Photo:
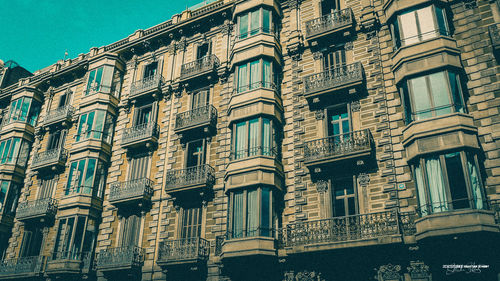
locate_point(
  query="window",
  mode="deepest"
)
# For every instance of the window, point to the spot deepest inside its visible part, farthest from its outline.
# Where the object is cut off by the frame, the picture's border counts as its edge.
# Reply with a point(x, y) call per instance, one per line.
point(64, 99)
point(252, 213)
point(203, 50)
point(130, 231)
point(334, 59)
point(56, 139)
point(9, 195)
point(255, 22)
point(150, 70)
point(195, 153)
point(86, 176)
point(338, 120)
point(432, 95)
point(144, 115)
point(447, 182)
point(14, 151)
point(47, 187)
point(419, 25)
point(75, 238)
point(329, 6)
point(255, 137)
point(100, 80)
point(31, 243)
point(256, 74)
point(23, 109)
point(344, 197)
point(95, 125)
point(139, 167)
point(191, 219)
point(200, 99)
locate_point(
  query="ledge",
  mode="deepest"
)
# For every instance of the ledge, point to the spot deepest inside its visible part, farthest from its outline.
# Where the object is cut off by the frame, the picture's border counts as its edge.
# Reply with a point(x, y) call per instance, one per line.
point(392, 7)
point(440, 133)
point(251, 246)
point(260, 101)
point(102, 98)
point(261, 44)
point(257, 170)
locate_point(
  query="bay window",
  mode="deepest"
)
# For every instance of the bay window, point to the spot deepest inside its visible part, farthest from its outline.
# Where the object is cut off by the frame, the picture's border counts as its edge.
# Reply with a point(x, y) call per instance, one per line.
point(75, 238)
point(419, 25)
point(432, 95)
point(255, 137)
point(252, 213)
point(97, 124)
point(260, 73)
point(24, 109)
point(100, 80)
point(448, 182)
point(255, 22)
point(86, 176)
point(9, 195)
point(14, 151)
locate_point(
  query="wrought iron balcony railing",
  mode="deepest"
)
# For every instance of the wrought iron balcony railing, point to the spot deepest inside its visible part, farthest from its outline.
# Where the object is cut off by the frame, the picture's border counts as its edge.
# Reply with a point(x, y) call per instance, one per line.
point(338, 145)
point(338, 229)
point(197, 175)
point(205, 115)
point(22, 266)
point(183, 250)
point(495, 35)
point(122, 257)
point(130, 190)
point(146, 85)
point(333, 78)
point(255, 152)
point(327, 23)
point(199, 66)
point(58, 115)
point(46, 207)
point(49, 158)
point(141, 132)
point(65, 261)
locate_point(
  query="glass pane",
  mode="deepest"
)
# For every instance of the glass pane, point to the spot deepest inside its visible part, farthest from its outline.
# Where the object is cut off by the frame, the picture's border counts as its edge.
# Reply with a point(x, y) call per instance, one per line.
point(426, 23)
point(72, 173)
point(253, 137)
point(67, 253)
point(81, 127)
point(77, 242)
point(456, 179)
point(254, 25)
point(99, 124)
point(421, 190)
point(265, 213)
point(89, 176)
point(475, 181)
point(241, 140)
point(6, 151)
point(439, 88)
point(242, 78)
point(3, 193)
point(98, 79)
point(351, 206)
point(420, 98)
point(254, 74)
point(252, 213)
point(266, 137)
point(107, 79)
point(91, 82)
point(238, 214)
point(456, 92)
point(266, 74)
point(441, 20)
point(79, 175)
point(439, 201)
point(243, 26)
point(339, 208)
point(90, 125)
point(409, 28)
point(266, 25)
point(24, 109)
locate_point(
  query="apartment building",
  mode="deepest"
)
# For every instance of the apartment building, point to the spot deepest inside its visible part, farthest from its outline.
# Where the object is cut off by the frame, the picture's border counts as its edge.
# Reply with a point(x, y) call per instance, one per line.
point(262, 140)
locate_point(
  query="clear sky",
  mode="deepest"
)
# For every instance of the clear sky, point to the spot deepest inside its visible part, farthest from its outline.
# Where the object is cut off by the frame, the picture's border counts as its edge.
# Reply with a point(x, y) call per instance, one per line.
point(36, 33)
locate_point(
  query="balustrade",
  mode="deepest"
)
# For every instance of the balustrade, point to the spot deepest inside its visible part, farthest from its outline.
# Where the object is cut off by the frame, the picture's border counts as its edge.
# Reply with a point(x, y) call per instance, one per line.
point(333, 78)
point(327, 23)
point(189, 249)
point(197, 175)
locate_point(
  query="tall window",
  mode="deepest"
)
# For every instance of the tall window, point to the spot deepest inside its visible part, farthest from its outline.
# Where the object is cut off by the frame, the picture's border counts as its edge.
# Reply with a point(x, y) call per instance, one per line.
point(144, 114)
point(47, 187)
point(195, 153)
point(96, 124)
point(255, 137)
point(150, 70)
point(9, 195)
point(23, 109)
point(100, 80)
point(32, 242)
point(200, 99)
point(139, 167)
point(432, 95)
point(86, 176)
point(419, 25)
point(203, 50)
point(344, 197)
point(255, 22)
point(256, 74)
point(334, 59)
point(329, 6)
point(130, 231)
point(56, 139)
point(252, 213)
point(448, 181)
point(191, 222)
point(75, 238)
point(14, 151)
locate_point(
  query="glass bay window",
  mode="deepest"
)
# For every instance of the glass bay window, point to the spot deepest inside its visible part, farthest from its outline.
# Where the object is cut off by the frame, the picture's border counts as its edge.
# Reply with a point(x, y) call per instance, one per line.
point(255, 22)
point(100, 80)
point(432, 95)
point(97, 124)
point(75, 238)
point(14, 151)
point(24, 109)
point(255, 137)
point(9, 195)
point(86, 176)
point(448, 182)
point(260, 73)
point(418, 25)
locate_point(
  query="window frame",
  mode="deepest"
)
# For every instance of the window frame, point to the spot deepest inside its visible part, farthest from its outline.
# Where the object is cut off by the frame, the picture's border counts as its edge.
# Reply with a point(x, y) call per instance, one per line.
point(98, 178)
point(204, 153)
point(256, 31)
point(104, 134)
point(270, 82)
point(333, 196)
point(67, 246)
point(16, 111)
point(274, 140)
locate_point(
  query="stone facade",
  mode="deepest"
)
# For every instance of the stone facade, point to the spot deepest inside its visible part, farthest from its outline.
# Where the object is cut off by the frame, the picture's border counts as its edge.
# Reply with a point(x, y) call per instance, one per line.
point(262, 140)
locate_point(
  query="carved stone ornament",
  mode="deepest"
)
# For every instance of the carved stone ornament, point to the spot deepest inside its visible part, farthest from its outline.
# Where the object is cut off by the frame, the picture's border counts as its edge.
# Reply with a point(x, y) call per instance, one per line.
point(226, 28)
point(348, 46)
point(389, 272)
point(321, 186)
point(470, 4)
point(363, 179)
point(418, 270)
point(306, 275)
point(172, 48)
point(320, 114)
point(317, 55)
point(355, 106)
point(181, 44)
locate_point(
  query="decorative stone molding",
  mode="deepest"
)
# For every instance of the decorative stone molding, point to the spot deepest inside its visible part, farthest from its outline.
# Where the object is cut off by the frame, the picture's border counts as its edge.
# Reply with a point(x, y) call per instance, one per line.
point(470, 4)
point(388, 272)
point(348, 46)
point(320, 114)
point(363, 179)
point(355, 106)
point(226, 28)
point(368, 20)
point(418, 270)
point(321, 186)
point(304, 275)
point(317, 55)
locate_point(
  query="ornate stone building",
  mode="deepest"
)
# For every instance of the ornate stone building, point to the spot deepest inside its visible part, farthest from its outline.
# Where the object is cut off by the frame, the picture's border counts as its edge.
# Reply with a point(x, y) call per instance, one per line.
point(262, 140)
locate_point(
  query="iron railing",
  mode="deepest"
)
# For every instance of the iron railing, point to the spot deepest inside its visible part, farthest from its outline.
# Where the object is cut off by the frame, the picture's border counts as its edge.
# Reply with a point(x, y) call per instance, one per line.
point(49, 157)
point(194, 68)
point(183, 249)
point(339, 229)
point(407, 222)
point(445, 206)
point(333, 78)
point(254, 152)
point(24, 265)
point(40, 207)
point(147, 84)
point(120, 257)
point(131, 189)
point(495, 35)
point(338, 145)
point(256, 85)
point(219, 242)
point(197, 116)
point(410, 40)
point(59, 114)
point(251, 232)
point(335, 20)
point(203, 174)
point(495, 207)
point(140, 132)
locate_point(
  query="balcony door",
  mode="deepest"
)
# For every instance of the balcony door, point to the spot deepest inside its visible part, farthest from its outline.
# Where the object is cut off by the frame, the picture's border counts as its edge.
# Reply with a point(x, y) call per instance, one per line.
point(203, 50)
point(64, 99)
point(328, 6)
point(56, 139)
point(47, 187)
point(191, 220)
point(195, 153)
point(344, 197)
point(150, 70)
point(75, 238)
point(130, 231)
point(144, 114)
point(334, 59)
point(200, 99)
point(31, 243)
point(139, 167)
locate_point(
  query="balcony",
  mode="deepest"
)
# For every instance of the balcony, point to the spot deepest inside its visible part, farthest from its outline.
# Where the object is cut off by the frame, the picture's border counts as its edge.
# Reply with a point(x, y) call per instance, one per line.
point(335, 81)
point(183, 252)
point(41, 210)
point(495, 36)
point(21, 268)
point(148, 85)
point(348, 147)
point(137, 191)
point(69, 263)
point(142, 135)
point(336, 22)
point(53, 159)
point(205, 66)
point(199, 119)
point(259, 244)
point(119, 259)
point(342, 232)
point(194, 178)
point(61, 115)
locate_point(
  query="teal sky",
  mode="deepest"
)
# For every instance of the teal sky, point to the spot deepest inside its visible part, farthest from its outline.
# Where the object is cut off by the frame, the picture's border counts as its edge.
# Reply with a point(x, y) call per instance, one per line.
point(36, 33)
